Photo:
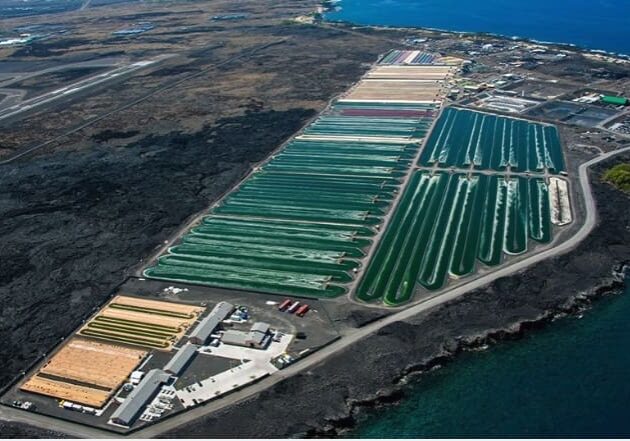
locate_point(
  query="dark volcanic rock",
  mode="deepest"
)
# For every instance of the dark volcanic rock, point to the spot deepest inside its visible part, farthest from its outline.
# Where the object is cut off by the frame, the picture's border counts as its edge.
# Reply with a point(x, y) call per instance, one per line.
point(49, 48)
point(19, 430)
point(107, 135)
point(324, 400)
point(89, 220)
point(73, 224)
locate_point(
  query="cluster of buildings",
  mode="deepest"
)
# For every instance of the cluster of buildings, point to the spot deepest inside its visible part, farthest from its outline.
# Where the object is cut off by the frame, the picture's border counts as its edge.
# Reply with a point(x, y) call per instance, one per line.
point(258, 337)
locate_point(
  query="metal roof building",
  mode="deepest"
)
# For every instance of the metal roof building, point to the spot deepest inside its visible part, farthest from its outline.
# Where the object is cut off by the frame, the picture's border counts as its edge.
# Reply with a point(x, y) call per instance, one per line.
point(180, 359)
point(257, 337)
point(260, 327)
point(203, 330)
point(238, 338)
point(139, 397)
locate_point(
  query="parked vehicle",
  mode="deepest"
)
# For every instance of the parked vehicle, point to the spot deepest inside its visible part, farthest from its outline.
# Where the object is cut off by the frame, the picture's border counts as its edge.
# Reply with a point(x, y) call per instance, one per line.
point(302, 310)
point(293, 307)
point(284, 305)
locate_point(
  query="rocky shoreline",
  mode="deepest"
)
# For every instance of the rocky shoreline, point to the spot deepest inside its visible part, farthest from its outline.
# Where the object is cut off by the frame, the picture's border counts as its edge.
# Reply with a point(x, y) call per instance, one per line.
point(481, 342)
point(326, 400)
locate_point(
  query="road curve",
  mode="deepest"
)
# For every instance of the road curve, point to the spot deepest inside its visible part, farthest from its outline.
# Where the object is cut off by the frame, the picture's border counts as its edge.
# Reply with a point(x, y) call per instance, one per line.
point(343, 343)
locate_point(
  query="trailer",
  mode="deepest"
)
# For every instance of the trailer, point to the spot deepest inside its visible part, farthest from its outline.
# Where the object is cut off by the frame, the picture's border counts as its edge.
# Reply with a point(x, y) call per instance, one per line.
point(302, 310)
point(293, 307)
point(284, 305)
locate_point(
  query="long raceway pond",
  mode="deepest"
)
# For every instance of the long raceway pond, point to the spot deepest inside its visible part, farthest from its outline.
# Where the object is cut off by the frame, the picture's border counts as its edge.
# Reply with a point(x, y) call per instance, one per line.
point(302, 223)
point(448, 222)
point(462, 138)
point(485, 186)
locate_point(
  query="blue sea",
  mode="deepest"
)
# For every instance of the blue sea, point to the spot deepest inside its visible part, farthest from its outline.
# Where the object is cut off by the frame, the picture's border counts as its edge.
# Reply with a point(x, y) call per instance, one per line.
point(568, 379)
point(571, 378)
point(593, 24)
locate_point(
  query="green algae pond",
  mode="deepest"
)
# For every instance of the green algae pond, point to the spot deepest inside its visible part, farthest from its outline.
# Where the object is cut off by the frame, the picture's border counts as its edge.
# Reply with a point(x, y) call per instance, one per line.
point(302, 224)
point(464, 138)
point(299, 226)
point(446, 223)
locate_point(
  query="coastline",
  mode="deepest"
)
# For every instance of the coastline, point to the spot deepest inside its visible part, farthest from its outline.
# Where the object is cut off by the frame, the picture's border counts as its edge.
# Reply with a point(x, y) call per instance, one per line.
point(391, 393)
point(475, 343)
point(328, 399)
point(327, 6)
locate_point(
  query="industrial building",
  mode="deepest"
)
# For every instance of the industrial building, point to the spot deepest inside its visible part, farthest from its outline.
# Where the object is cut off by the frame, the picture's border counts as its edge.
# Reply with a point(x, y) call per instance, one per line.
point(205, 328)
point(181, 359)
point(257, 337)
point(139, 397)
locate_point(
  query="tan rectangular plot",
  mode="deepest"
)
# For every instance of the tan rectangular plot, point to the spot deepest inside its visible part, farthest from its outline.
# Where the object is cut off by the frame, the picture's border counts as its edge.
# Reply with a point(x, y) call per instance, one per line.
point(85, 371)
point(390, 95)
point(426, 73)
point(397, 89)
point(66, 391)
point(94, 362)
point(142, 317)
point(157, 304)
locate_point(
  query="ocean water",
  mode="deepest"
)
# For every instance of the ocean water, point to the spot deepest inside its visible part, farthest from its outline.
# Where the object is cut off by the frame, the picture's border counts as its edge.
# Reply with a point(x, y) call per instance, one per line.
point(568, 379)
point(595, 24)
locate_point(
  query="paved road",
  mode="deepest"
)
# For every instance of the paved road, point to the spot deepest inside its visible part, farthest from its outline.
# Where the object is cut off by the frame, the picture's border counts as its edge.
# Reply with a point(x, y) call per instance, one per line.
point(158, 90)
point(79, 86)
point(345, 342)
point(99, 62)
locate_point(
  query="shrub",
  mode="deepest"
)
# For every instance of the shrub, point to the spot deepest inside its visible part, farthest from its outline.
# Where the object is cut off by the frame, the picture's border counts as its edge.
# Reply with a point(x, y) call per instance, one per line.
point(619, 176)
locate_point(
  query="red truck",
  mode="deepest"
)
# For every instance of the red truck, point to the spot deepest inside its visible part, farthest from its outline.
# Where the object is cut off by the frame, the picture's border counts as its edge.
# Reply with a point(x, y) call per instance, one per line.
point(302, 310)
point(284, 305)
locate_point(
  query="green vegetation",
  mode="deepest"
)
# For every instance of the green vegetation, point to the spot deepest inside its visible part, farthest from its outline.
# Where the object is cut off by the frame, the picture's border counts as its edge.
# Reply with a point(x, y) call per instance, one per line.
point(150, 310)
point(138, 341)
point(619, 176)
point(171, 329)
